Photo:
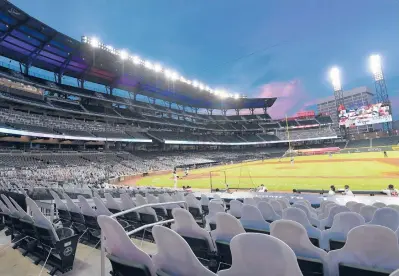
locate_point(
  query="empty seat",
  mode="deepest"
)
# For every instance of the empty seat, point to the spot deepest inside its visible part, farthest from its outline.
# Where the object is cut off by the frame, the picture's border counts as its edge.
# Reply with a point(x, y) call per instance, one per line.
point(379, 204)
point(277, 207)
point(249, 201)
point(159, 210)
point(227, 227)
point(258, 255)
point(253, 221)
point(356, 207)
point(133, 218)
point(349, 204)
point(194, 207)
point(368, 212)
point(386, 217)
point(204, 203)
point(394, 206)
point(62, 209)
point(268, 212)
point(235, 208)
point(283, 203)
point(335, 237)
point(367, 247)
point(214, 208)
point(125, 257)
point(299, 216)
point(57, 245)
point(198, 238)
point(326, 211)
point(174, 256)
point(77, 218)
point(327, 222)
point(311, 259)
point(112, 205)
point(311, 216)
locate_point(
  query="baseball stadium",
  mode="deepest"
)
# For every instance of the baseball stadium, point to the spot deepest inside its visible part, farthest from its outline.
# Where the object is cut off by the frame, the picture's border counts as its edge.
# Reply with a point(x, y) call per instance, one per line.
point(112, 164)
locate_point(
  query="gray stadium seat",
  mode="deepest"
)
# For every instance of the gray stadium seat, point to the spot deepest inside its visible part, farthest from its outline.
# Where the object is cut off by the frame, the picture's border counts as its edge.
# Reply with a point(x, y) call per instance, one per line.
point(268, 212)
point(235, 208)
point(387, 217)
point(253, 221)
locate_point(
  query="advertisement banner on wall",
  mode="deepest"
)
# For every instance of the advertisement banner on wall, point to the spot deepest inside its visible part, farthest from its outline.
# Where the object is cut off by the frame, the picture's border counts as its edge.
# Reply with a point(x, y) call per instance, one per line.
point(365, 115)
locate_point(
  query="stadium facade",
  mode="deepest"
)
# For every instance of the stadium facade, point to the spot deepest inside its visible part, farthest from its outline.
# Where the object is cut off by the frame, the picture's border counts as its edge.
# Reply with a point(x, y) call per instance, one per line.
point(354, 98)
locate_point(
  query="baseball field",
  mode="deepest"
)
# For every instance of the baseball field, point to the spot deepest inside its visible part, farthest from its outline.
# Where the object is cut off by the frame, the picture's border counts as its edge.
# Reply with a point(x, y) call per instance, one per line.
point(361, 171)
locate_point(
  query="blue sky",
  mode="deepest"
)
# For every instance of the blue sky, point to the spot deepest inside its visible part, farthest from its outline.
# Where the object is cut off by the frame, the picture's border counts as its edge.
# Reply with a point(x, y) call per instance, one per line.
point(295, 42)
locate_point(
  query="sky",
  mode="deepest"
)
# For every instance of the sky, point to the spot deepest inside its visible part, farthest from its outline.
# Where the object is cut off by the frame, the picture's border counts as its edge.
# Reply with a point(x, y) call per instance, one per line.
point(260, 48)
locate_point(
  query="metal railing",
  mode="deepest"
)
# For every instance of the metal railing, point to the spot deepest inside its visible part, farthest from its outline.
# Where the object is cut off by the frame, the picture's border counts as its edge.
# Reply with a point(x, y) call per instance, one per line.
point(137, 229)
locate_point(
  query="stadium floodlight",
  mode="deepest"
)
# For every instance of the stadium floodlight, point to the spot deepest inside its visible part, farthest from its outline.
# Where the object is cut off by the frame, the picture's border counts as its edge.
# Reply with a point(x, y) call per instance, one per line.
point(195, 83)
point(148, 65)
point(94, 42)
point(110, 49)
point(201, 86)
point(136, 60)
point(236, 96)
point(174, 76)
point(188, 82)
point(376, 67)
point(157, 67)
point(167, 73)
point(123, 54)
point(335, 77)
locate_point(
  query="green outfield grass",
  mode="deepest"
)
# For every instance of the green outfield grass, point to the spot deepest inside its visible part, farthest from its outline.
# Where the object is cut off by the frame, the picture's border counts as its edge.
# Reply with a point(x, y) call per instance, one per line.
point(362, 171)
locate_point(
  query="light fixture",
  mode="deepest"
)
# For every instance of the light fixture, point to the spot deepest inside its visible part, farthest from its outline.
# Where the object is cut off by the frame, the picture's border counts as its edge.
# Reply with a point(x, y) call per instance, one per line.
point(94, 42)
point(335, 79)
point(157, 67)
point(148, 65)
point(136, 60)
point(236, 96)
point(195, 83)
point(123, 54)
point(376, 67)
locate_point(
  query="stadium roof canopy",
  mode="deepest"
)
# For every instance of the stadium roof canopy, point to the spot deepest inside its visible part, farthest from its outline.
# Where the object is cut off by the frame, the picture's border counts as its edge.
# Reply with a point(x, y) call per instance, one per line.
point(29, 41)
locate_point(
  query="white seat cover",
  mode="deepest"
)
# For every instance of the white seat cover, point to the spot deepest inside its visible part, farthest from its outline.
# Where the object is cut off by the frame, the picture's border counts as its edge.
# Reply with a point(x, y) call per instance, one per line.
point(326, 211)
point(236, 208)
point(356, 207)
point(342, 224)
point(140, 200)
point(369, 246)
point(39, 218)
point(277, 207)
point(249, 201)
point(22, 213)
point(368, 212)
point(349, 204)
point(333, 211)
point(127, 202)
point(283, 203)
point(118, 243)
point(186, 226)
point(257, 254)
point(204, 200)
point(152, 199)
point(72, 207)
point(252, 218)
point(58, 202)
point(394, 206)
point(4, 208)
point(101, 208)
point(13, 211)
point(296, 237)
point(299, 216)
point(217, 197)
point(311, 216)
point(193, 202)
point(86, 208)
point(379, 204)
point(267, 211)
point(175, 256)
point(111, 202)
point(387, 217)
point(395, 273)
point(214, 208)
point(227, 227)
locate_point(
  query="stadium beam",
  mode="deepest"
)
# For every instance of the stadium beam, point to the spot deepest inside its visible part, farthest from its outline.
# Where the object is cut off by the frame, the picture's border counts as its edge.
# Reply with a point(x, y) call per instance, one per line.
point(335, 77)
point(12, 28)
point(380, 86)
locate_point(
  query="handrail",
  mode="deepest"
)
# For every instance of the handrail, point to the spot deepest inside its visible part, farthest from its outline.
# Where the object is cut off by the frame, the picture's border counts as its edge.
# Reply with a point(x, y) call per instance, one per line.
point(147, 205)
point(137, 229)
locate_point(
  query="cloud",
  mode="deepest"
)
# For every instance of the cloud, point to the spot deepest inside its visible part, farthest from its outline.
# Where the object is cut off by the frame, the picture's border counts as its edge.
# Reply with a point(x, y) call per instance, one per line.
point(291, 97)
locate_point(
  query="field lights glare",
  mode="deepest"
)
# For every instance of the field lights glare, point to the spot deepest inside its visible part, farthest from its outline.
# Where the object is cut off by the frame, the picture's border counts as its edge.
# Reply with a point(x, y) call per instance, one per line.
point(376, 67)
point(123, 54)
point(335, 79)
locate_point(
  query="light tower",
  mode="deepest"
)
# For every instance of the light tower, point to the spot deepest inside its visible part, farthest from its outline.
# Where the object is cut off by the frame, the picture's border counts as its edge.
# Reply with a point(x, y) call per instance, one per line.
point(381, 90)
point(335, 77)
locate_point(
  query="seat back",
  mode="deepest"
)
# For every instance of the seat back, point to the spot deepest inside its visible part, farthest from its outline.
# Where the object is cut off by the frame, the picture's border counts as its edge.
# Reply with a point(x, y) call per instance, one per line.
point(267, 211)
point(236, 208)
point(58, 202)
point(368, 212)
point(118, 244)
point(350, 204)
point(327, 209)
point(356, 207)
point(249, 201)
point(299, 216)
point(253, 220)
point(379, 204)
point(214, 208)
point(342, 224)
point(22, 213)
point(101, 209)
point(368, 246)
point(13, 211)
point(283, 203)
point(72, 207)
point(278, 209)
point(296, 237)
point(112, 204)
point(394, 206)
point(387, 217)
point(186, 226)
point(45, 229)
point(174, 255)
point(257, 254)
point(327, 222)
point(204, 200)
point(152, 199)
point(227, 227)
